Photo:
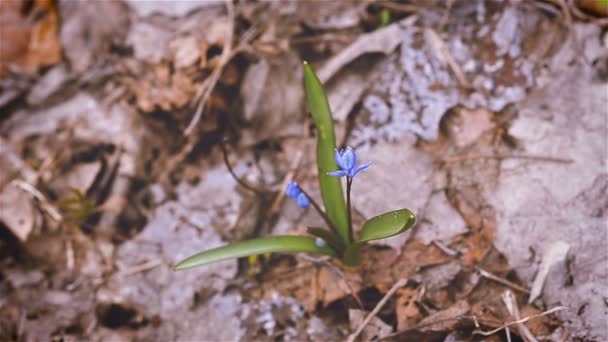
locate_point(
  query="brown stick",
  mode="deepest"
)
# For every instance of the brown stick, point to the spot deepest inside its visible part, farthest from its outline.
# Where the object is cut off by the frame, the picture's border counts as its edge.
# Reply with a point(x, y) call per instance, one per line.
point(399, 284)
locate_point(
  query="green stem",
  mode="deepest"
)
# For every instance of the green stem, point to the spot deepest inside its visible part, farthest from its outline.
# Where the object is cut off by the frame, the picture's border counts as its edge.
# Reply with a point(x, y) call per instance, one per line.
point(320, 211)
point(349, 183)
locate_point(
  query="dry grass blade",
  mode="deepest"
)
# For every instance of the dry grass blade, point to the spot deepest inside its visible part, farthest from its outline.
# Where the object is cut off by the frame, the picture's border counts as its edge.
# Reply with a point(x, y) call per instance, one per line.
point(520, 321)
point(215, 75)
point(503, 281)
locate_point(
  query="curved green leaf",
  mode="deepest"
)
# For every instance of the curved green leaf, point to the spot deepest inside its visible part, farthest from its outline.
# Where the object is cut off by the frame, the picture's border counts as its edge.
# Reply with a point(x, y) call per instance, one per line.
point(271, 244)
point(387, 225)
point(331, 188)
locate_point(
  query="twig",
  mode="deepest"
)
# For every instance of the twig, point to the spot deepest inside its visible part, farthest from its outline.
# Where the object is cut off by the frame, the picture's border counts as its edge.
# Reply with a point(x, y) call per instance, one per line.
point(46, 205)
point(509, 300)
point(234, 175)
point(69, 254)
point(443, 50)
point(148, 265)
point(217, 72)
point(446, 15)
point(400, 283)
point(288, 177)
point(397, 7)
point(520, 321)
point(475, 322)
point(445, 249)
point(464, 157)
point(503, 281)
point(427, 324)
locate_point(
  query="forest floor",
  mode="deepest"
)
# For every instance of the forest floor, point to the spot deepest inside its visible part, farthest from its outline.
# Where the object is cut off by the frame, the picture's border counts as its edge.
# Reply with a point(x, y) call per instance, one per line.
point(136, 133)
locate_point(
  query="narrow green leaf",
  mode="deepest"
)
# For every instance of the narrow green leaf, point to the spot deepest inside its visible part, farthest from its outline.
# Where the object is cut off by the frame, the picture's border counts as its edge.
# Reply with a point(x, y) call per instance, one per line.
point(331, 188)
point(329, 236)
point(271, 244)
point(387, 225)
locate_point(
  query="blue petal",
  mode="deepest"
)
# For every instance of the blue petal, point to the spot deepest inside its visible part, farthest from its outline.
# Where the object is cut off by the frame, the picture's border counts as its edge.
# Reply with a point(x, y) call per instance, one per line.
point(350, 159)
point(339, 159)
point(302, 201)
point(361, 168)
point(340, 173)
point(293, 189)
point(320, 242)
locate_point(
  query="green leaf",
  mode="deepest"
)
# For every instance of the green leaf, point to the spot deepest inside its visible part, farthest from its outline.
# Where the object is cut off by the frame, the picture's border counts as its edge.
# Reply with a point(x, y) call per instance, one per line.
point(331, 188)
point(329, 236)
point(271, 244)
point(387, 225)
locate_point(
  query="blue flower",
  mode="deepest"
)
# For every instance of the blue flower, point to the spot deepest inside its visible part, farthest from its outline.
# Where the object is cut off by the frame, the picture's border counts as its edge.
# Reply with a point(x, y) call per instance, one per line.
point(320, 242)
point(294, 191)
point(347, 160)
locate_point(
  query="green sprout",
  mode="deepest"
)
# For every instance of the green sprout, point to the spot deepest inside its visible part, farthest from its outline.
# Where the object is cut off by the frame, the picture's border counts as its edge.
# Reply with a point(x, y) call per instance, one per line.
point(77, 208)
point(337, 239)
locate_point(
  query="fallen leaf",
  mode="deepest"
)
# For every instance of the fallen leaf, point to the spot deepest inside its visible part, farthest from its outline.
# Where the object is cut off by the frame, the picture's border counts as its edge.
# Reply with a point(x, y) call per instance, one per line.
point(29, 40)
point(553, 254)
point(406, 309)
point(89, 29)
point(455, 311)
point(384, 41)
point(375, 329)
point(18, 212)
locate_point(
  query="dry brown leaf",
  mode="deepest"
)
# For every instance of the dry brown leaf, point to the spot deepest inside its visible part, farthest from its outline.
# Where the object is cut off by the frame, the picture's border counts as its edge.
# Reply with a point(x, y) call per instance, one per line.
point(458, 309)
point(464, 126)
point(29, 41)
point(406, 309)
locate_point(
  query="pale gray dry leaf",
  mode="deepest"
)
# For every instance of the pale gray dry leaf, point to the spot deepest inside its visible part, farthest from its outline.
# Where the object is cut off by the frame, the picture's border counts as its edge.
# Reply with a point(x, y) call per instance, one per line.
point(11, 165)
point(186, 51)
point(383, 40)
point(89, 29)
point(272, 96)
point(443, 221)
point(344, 92)
point(192, 223)
point(375, 329)
point(440, 276)
point(567, 202)
point(553, 254)
point(335, 15)
point(80, 177)
point(149, 40)
point(169, 7)
point(49, 83)
point(19, 213)
point(447, 318)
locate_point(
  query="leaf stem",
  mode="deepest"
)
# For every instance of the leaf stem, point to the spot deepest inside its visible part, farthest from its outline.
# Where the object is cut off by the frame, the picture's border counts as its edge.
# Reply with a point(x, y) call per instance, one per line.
point(349, 183)
point(320, 211)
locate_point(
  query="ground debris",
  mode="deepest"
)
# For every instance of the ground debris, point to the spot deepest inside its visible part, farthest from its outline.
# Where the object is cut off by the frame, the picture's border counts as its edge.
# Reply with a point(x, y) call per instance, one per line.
point(482, 117)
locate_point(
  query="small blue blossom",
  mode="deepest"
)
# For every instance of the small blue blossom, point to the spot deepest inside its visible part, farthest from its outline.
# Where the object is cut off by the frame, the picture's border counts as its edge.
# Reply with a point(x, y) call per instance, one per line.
point(320, 242)
point(347, 160)
point(302, 201)
point(294, 191)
